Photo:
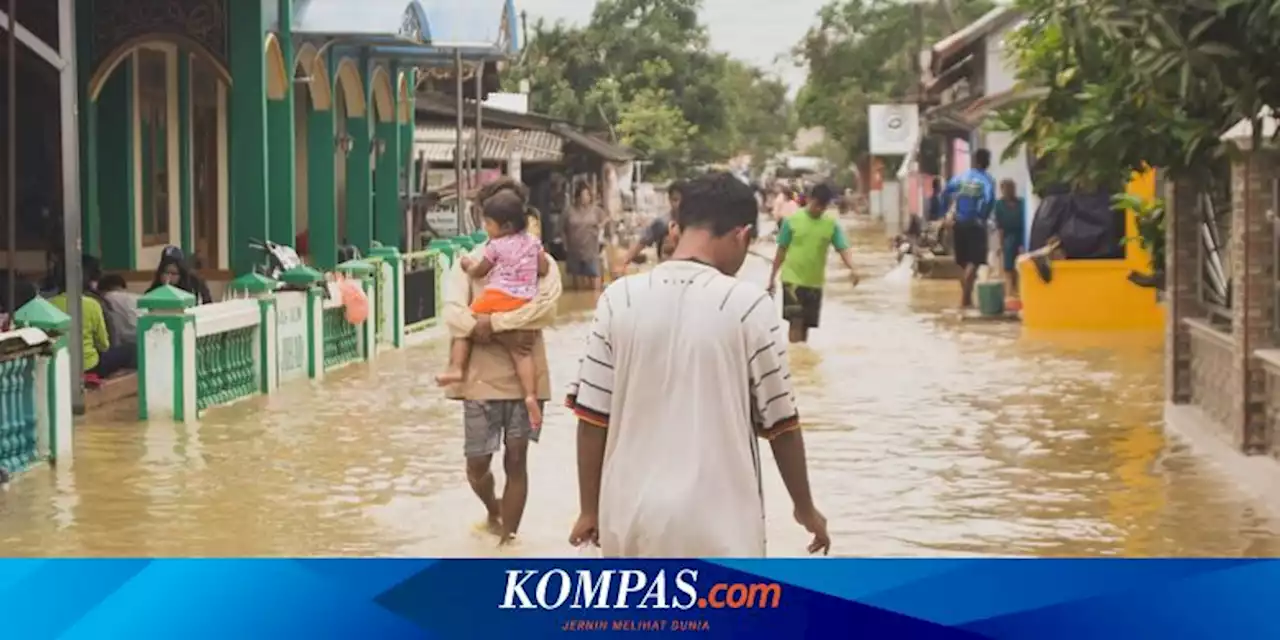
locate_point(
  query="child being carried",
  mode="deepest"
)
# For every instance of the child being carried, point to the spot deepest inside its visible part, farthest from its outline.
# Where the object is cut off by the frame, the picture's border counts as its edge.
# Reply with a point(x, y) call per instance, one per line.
point(512, 263)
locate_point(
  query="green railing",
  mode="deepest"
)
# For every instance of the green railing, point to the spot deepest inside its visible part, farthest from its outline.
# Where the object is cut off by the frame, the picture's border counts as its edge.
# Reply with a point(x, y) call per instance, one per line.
point(341, 339)
point(422, 297)
point(225, 367)
point(17, 412)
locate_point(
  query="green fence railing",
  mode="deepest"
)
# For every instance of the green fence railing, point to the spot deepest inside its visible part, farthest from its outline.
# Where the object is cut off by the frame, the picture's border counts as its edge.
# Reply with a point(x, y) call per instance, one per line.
point(341, 339)
point(17, 412)
point(422, 297)
point(225, 367)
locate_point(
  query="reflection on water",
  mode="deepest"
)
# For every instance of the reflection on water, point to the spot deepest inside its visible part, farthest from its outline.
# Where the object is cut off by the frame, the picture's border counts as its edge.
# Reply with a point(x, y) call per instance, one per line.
point(926, 436)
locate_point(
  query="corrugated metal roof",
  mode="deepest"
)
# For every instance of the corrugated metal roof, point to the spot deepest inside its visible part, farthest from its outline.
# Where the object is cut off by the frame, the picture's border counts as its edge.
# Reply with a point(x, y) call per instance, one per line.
point(602, 148)
point(436, 144)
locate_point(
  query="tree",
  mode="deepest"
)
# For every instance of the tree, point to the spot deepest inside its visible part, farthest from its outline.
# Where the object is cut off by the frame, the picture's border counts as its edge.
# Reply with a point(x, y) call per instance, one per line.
point(1134, 83)
point(644, 70)
point(864, 52)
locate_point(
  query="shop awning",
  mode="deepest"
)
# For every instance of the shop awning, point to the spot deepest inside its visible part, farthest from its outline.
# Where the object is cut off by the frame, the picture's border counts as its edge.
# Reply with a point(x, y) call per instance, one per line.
point(594, 145)
point(369, 21)
point(436, 144)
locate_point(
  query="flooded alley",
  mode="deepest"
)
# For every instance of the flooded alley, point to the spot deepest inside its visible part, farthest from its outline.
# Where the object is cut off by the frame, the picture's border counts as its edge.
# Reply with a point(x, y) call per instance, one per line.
point(926, 437)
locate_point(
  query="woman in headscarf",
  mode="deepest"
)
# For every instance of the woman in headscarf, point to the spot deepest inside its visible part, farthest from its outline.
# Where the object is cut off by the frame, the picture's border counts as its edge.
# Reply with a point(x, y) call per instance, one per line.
point(174, 271)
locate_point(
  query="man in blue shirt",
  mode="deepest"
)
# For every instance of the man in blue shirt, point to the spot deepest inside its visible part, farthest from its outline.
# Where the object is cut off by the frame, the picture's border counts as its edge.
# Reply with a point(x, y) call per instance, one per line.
point(970, 197)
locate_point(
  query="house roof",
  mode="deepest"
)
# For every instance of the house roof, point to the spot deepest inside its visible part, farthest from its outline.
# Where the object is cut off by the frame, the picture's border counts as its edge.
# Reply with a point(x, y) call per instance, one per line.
point(480, 30)
point(440, 105)
point(947, 52)
point(403, 21)
point(436, 144)
point(602, 148)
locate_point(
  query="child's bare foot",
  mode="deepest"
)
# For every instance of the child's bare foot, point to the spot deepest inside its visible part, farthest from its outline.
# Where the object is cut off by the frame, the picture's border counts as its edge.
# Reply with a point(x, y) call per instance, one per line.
point(506, 538)
point(535, 412)
point(452, 376)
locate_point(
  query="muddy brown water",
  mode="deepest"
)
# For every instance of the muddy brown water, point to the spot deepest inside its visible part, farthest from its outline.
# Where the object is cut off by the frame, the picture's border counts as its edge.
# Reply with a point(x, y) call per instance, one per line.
point(927, 437)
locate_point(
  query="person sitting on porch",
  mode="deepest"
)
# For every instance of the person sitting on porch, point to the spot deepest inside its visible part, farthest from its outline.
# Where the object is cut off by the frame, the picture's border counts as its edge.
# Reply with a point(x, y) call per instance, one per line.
point(101, 359)
point(121, 309)
point(173, 271)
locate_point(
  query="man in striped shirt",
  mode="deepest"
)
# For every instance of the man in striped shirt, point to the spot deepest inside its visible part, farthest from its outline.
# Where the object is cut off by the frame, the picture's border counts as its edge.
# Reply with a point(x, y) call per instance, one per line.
point(685, 367)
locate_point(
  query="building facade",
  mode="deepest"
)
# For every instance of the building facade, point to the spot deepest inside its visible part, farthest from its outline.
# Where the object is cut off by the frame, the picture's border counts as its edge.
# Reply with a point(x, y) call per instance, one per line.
point(1222, 364)
point(208, 124)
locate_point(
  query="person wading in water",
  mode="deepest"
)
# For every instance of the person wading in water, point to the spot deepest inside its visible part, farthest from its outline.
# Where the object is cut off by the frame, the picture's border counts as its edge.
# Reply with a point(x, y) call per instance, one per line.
point(494, 414)
point(685, 367)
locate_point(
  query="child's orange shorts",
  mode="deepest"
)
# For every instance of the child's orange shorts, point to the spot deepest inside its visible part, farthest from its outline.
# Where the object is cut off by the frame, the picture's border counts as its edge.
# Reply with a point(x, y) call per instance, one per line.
point(496, 301)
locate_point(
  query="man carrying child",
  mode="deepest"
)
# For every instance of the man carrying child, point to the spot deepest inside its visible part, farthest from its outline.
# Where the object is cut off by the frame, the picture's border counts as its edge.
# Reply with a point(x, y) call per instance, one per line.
point(496, 416)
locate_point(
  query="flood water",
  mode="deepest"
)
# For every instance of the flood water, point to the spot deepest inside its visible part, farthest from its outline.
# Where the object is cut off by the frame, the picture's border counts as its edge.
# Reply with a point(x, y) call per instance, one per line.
point(927, 437)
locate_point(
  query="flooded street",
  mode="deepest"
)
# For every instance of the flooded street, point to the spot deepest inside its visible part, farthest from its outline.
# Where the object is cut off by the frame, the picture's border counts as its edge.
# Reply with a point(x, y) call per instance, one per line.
point(927, 437)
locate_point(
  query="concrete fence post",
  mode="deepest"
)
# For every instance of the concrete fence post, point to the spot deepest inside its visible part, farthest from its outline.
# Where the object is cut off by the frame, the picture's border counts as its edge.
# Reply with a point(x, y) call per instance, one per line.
point(263, 289)
point(391, 298)
point(304, 278)
point(54, 422)
point(167, 355)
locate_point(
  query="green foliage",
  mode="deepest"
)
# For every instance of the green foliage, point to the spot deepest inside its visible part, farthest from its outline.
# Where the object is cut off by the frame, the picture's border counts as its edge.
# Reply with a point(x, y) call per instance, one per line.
point(1135, 83)
point(1149, 213)
point(865, 52)
point(643, 70)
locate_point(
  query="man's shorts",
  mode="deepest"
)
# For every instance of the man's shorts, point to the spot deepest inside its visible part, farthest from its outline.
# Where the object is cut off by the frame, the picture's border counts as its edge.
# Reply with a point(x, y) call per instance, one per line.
point(801, 303)
point(489, 424)
point(970, 239)
point(583, 267)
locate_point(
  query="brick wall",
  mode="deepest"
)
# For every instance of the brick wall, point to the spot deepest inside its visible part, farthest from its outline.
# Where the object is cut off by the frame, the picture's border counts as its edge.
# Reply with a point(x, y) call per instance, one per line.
point(1252, 233)
point(1183, 272)
point(1214, 368)
point(1272, 435)
point(1215, 384)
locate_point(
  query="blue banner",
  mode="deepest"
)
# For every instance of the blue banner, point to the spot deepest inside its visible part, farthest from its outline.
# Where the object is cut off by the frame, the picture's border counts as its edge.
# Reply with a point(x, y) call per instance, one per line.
point(526, 599)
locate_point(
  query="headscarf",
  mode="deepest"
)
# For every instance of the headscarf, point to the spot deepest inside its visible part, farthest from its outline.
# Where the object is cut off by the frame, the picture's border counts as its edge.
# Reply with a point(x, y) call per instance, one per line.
point(188, 280)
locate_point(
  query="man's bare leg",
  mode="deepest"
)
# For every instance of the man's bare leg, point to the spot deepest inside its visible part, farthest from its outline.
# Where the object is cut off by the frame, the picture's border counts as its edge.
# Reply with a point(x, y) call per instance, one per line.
point(967, 280)
point(516, 492)
point(797, 331)
point(480, 477)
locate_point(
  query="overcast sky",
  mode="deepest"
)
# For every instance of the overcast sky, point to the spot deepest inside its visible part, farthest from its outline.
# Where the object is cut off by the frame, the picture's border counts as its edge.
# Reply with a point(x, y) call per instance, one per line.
point(757, 31)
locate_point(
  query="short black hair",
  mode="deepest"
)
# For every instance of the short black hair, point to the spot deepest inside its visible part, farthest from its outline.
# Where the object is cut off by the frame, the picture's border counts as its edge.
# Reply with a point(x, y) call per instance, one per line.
point(982, 159)
point(508, 210)
point(718, 202)
point(822, 193)
point(505, 183)
point(582, 185)
point(676, 188)
point(112, 282)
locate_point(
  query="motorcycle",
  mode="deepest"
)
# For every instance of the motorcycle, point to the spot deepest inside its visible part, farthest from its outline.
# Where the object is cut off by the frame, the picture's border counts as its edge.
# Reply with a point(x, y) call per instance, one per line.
point(277, 258)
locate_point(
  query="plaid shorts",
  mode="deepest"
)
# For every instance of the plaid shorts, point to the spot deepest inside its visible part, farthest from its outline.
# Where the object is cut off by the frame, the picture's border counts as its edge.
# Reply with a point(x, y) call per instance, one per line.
point(489, 424)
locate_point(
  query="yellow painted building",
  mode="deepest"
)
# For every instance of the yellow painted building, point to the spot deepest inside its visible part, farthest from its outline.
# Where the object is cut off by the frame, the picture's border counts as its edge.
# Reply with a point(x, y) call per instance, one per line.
point(1095, 295)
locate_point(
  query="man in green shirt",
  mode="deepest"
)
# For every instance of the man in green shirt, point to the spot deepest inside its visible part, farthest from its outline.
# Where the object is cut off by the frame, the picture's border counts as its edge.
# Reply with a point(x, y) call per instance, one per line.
point(804, 241)
point(100, 358)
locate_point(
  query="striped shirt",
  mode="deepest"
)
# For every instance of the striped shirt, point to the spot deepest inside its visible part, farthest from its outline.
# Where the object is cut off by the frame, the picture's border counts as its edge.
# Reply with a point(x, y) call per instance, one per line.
point(684, 366)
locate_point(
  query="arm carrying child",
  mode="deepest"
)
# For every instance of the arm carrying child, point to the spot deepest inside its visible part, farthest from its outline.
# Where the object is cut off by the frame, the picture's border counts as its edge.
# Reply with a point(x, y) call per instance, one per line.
point(512, 263)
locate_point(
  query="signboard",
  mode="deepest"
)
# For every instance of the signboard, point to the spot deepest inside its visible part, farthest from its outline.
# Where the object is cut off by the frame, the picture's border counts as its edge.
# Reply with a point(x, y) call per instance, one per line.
point(291, 335)
point(894, 128)
point(444, 222)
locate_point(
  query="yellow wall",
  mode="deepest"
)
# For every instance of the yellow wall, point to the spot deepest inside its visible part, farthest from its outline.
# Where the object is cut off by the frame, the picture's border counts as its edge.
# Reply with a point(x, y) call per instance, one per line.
point(1095, 295)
